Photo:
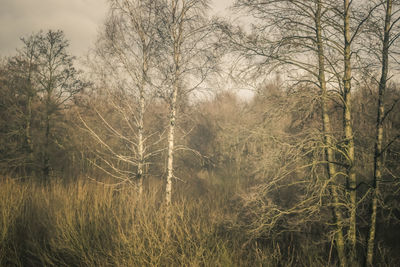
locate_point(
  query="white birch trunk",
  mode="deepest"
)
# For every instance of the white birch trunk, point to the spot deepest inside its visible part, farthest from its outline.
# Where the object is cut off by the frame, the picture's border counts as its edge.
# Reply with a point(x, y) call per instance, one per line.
point(140, 166)
point(329, 153)
point(171, 139)
point(176, 34)
point(348, 130)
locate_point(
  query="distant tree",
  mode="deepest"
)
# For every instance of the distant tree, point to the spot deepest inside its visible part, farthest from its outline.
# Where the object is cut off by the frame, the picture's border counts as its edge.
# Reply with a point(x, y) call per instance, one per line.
point(57, 82)
point(19, 92)
point(39, 82)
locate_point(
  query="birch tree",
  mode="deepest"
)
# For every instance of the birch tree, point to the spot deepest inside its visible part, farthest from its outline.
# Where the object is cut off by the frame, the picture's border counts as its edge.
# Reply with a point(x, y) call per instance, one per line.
point(353, 25)
point(297, 31)
point(291, 35)
point(388, 34)
point(348, 129)
point(189, 56)
point(126, 54)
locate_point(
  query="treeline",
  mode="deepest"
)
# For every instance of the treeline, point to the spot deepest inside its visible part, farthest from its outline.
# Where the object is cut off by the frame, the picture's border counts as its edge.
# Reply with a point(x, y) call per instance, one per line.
point(303, 173)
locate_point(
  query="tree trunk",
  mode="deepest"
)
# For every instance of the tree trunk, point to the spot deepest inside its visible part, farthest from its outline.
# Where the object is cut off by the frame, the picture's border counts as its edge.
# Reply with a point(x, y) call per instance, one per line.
point(46, 156)
point(378, 159)
point(176, 34)
point(139, 175)
point(171, 135)
point(329, 153)
point(28, 137)
point(349, 139)
point(142, 107)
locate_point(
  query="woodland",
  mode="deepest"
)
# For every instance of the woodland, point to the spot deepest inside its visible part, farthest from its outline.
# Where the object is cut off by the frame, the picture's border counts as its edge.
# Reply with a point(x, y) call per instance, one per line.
point(144, 153)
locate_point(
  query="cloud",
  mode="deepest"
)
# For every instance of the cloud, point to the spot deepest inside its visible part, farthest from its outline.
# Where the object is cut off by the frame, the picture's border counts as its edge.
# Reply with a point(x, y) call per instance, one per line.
point(79, 19)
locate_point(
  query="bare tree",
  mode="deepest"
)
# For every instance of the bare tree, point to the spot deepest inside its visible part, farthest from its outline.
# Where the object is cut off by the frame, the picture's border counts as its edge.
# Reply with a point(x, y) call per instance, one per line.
point(57, 81)
point(189, 57)
point(298, 33)
point(348, 129)
point(19, 78)
point(353, 24)
point(126, 55)
point(387, 37)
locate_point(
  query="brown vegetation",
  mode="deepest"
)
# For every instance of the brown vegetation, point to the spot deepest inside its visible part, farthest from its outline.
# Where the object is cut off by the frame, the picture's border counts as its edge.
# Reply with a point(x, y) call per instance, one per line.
point(139, 161)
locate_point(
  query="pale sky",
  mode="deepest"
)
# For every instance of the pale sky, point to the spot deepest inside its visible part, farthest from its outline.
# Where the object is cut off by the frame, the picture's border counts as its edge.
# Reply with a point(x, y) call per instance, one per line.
point(79, 19)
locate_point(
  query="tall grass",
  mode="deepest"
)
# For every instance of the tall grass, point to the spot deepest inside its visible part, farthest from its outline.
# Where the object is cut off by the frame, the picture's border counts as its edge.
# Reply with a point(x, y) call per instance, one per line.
point(90, 224)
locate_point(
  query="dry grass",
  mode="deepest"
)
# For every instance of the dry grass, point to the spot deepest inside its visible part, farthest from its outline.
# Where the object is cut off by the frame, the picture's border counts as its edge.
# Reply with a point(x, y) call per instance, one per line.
point(89, 224)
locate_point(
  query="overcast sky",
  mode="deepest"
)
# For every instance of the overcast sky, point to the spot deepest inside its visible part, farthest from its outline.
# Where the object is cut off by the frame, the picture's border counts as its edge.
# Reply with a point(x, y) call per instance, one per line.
point(79, 19)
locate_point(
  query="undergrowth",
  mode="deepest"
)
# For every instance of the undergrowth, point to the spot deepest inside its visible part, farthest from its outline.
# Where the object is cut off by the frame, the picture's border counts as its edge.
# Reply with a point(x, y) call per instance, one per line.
point(91, 224)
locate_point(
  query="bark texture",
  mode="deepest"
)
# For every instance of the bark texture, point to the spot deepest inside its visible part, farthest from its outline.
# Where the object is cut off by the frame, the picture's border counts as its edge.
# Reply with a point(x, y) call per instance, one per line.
point(378, 159)
point(327, 132)
point(349, 138)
